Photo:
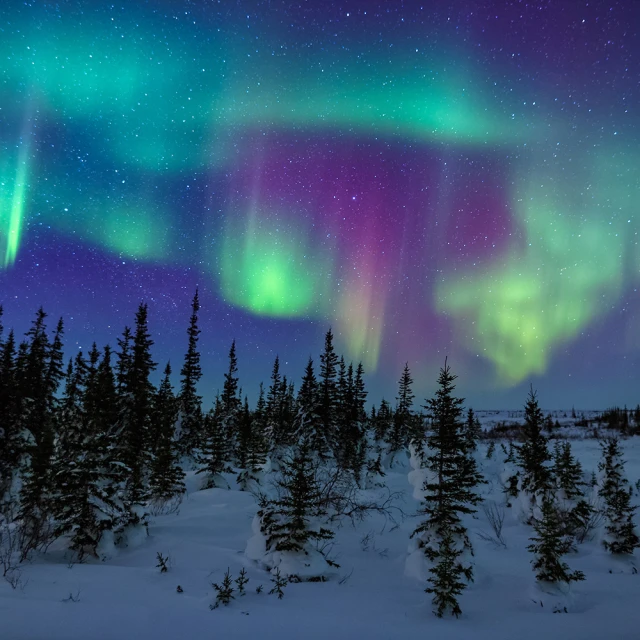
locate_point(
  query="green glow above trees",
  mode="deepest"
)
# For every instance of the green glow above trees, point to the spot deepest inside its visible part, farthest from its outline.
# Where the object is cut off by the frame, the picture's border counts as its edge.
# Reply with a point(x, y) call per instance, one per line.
point(541, 296)
point(269, 266)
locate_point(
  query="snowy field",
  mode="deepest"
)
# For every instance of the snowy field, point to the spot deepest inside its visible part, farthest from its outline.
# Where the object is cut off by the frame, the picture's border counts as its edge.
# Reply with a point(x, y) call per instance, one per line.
point(375, 593)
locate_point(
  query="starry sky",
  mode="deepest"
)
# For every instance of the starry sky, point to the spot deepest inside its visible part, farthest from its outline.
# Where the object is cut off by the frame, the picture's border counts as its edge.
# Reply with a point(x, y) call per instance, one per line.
point(429, 179)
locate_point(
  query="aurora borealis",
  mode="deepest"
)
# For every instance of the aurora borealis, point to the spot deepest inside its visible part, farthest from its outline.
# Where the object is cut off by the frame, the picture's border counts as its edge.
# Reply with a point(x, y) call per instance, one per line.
point(430, 179)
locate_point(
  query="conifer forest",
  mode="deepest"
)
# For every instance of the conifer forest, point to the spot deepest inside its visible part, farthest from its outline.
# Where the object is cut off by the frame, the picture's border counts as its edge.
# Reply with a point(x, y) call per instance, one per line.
point(320, 319)
point(110, 461)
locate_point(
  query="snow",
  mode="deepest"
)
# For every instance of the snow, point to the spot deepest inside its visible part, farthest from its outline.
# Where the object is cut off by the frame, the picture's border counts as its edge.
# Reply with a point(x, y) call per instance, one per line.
point(378, 591)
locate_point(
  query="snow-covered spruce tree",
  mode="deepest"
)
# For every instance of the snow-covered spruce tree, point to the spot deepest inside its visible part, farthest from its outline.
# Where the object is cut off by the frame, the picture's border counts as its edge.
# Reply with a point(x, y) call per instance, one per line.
point(567, 478)
point(166, 480)
point(402, 429)
point(361, 448)
point(449, 493)
point(621, 534)
point(12, 443)
point(279, 432)
point(136, 398)
point(289, 526)
point(567, 472)
point(230, 404)
point(381, 422)
point(216, 450)
point(533, 453)
point(190, 416)
point(83, 487)
point(70, 413)
point(327, 399)
point(70, 475)
point(351, 445)
point(102, 412)
point(244, 427)
point(254, 444)
point(39, 376)
point(472, 431)
point(550, 544)
point(307, 425)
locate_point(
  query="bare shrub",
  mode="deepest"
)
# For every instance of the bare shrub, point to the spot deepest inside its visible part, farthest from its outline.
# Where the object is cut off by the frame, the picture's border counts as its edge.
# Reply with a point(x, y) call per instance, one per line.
point(495, 514)
point(165, 507)
point(595, 521)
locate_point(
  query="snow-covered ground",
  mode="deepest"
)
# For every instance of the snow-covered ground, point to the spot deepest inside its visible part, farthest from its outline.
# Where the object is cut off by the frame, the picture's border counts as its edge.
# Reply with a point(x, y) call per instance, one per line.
point(371, 597)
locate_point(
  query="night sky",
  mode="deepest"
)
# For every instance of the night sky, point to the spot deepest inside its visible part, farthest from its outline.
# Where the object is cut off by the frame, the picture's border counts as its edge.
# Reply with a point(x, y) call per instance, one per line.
point(429, 179)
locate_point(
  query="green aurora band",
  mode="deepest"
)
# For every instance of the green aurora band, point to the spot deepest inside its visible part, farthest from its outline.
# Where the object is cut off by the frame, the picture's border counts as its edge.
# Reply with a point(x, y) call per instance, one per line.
point(12, 201)
point(568, 274)
point(268, 266)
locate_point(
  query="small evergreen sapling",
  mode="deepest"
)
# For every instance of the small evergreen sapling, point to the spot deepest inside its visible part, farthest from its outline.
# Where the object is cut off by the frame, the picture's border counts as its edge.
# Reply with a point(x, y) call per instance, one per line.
point(224, 591)
point(163, 562)
point(279, 583)
point(241, 581)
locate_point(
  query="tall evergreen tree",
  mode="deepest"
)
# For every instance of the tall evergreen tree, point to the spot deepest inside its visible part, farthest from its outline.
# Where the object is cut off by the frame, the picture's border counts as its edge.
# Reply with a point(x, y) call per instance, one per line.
point(404, 429)
point(12, 443)
point(274, 408)
point(308, 424)
point(216, 451)
point(166, 481)
point(190, 403)
point(39, 380)
point(230, 403)
point(257, 446)
point(448, 494)
point(136, 411)
point(327, 397)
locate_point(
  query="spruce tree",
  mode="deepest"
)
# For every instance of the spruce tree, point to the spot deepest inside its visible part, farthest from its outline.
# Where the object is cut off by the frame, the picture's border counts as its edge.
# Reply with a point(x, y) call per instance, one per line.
point(448, 494)
point(12, 443)
point(39, 377)
point(244, 429)
point(327, 398)
point(567, 472)
point(472, 431)
point(216, 451)
point(621, 533)
point(288, 520)
point(166, 482)
point(403, 429)
point(189, 402)
point(86, 502)
point(136, 411)
point(382, 422)
point(307, 424)
point(274, 408)
point(550, 545)
point(257, 447)
point(534, 454)
point(230, 403)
